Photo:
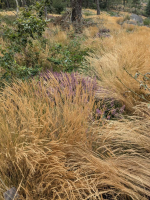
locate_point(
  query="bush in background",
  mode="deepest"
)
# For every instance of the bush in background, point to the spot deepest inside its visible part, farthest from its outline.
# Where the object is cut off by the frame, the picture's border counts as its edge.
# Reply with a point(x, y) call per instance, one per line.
point(147, 22)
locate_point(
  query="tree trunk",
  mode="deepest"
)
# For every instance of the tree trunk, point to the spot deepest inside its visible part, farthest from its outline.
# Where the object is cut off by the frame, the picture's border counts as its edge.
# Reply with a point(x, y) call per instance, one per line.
point(106, 4)
point(45, 11)
point(87, 3)
point(24, 3)
point(17, 6)
point(7, 2)
point(76, 11)
point(124, 3)
point(98, 7)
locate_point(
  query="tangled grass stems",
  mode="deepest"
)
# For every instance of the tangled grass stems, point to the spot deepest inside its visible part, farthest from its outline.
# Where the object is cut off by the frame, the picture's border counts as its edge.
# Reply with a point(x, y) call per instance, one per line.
point(57, 151)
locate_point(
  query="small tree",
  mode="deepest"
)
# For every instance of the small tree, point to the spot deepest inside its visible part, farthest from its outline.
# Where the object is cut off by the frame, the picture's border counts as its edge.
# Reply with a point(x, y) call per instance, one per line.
point(148, 9)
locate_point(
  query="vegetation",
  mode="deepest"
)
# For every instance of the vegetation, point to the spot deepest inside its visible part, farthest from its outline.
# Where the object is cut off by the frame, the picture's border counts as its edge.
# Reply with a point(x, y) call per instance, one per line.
point(136, 4)
point(74, 101)
point(147, 22)
point(148, 9)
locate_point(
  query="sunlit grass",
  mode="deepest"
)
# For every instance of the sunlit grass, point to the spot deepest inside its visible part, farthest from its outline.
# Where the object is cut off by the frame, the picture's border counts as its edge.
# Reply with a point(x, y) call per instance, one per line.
point(55, 150)
point(125, 50)
point(51, 145)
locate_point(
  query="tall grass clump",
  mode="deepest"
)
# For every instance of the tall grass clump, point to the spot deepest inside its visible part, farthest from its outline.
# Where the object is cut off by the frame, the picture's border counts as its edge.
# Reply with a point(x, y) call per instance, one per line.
point(51, 148)
point(121, 20)
point(129, 51)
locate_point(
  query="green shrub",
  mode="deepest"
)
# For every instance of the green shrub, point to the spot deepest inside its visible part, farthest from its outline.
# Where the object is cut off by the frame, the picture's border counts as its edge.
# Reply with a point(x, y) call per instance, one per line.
point(27, 52)
point(69, 57)
point(25, 30)
point(147, 21)
point(27, 25)
point(112, 13)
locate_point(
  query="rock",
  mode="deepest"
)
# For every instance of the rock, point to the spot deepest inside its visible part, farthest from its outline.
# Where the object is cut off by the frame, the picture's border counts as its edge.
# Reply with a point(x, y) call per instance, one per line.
point(11, 194)
point(130, 22)
point(136, 18)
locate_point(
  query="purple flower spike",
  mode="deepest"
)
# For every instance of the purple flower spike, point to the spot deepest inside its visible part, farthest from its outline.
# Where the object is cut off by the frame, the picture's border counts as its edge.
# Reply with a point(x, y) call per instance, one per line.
point(113, 112)
point(99, 112)
point(108, 117)
point(122, 108)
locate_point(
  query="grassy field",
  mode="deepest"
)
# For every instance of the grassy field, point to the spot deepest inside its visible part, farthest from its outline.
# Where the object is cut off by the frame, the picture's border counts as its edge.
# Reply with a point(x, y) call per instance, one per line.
point(85, 134)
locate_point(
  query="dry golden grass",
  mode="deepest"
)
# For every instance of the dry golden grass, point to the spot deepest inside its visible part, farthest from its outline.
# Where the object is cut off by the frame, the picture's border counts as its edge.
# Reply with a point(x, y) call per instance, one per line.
point(129, 50)
point(129, 27)
point(8, 13)
point(54, 151)
point(107, 21)
point(55, 34)
point(91, 32)
point(2, 43)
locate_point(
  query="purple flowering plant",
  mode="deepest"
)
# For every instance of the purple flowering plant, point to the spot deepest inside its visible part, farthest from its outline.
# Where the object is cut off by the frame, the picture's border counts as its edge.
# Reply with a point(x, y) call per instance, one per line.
point(69, 86)
point(109, 108)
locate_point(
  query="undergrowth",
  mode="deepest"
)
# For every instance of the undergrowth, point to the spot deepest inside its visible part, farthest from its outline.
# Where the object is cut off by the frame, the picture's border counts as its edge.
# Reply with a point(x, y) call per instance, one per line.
point(28, 49)
point(65, 135)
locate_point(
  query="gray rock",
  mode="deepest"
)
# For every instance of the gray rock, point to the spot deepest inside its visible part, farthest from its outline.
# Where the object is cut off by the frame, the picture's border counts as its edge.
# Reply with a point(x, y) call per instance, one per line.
point(136, 18)
point(130, 22)
point(11, 194)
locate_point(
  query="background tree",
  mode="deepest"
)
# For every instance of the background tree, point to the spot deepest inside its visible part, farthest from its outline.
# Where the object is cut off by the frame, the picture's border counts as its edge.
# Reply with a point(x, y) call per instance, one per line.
point(2, 4)
point(98, 7)
point(17, 5)
point(148, 9)
point(76, 11)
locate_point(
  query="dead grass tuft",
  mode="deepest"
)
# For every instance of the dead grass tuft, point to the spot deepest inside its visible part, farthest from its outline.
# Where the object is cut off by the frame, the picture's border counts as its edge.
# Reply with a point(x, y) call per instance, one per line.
point(55, 150)
point(123, 50)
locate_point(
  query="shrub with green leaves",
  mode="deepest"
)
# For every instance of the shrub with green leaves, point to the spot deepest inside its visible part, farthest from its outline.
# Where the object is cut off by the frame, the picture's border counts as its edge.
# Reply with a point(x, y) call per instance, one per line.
point(112, 13)
point(27, 52)
point(147, 21)
point(27, 27)
point(68, 57)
